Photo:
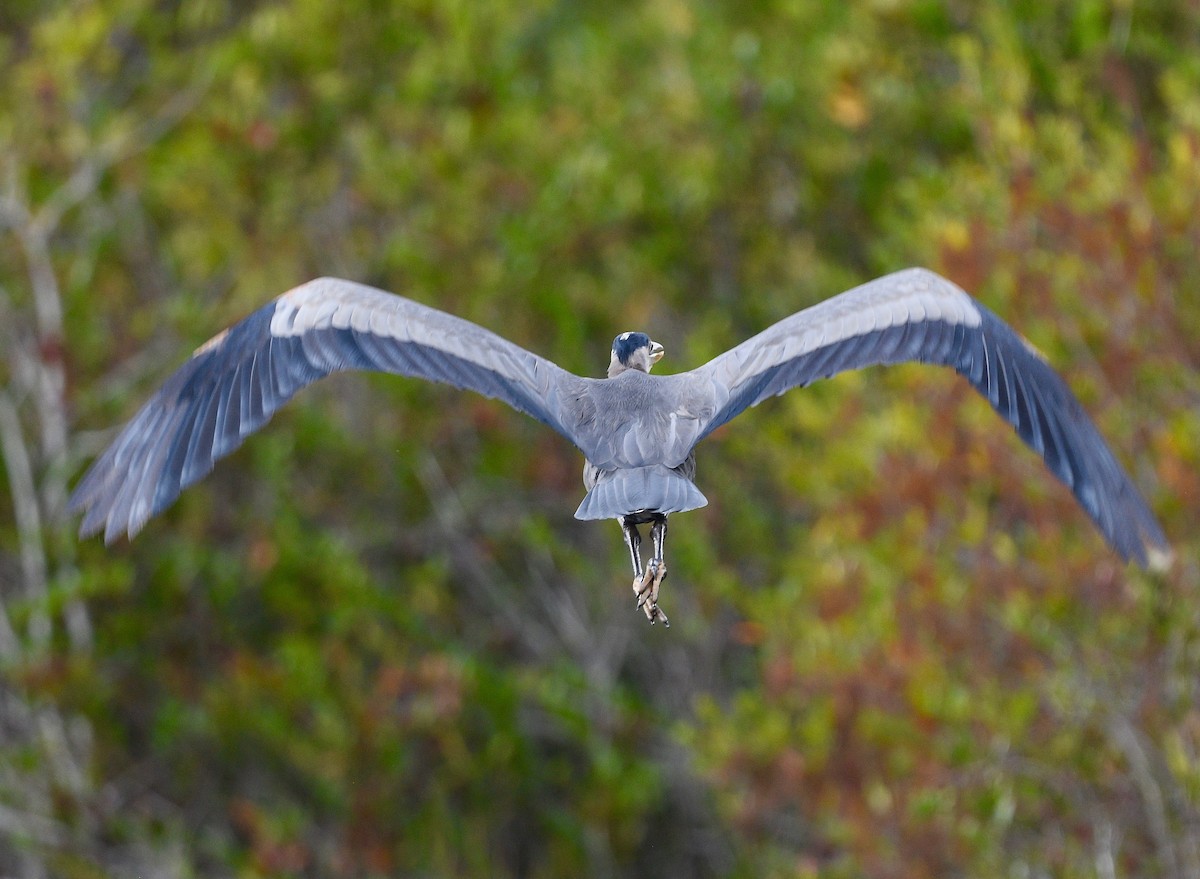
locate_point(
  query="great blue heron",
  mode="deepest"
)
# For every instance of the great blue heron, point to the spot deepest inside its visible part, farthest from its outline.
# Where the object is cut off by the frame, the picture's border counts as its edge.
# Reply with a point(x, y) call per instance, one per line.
point(637, 431)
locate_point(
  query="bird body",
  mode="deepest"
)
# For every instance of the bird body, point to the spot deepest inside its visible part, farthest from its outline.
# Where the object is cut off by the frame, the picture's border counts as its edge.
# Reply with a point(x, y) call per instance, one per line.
point(637, 431)
point(637, 419)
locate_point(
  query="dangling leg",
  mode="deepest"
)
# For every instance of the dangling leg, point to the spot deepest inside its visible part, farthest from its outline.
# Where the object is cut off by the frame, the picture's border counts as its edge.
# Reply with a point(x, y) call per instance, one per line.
point(656, 572)
point(633, 540)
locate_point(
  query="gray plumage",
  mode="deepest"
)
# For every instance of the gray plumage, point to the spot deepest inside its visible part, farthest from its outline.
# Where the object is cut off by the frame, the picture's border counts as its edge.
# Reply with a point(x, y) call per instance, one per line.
point(637, 431)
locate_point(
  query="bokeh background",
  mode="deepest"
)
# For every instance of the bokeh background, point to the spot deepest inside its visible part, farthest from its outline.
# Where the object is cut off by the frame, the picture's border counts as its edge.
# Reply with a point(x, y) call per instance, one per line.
point(376, 643)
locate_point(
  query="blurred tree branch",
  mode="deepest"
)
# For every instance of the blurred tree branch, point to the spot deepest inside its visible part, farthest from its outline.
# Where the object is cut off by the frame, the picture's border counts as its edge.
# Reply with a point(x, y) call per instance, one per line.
point(869, 648)
point(36, 443)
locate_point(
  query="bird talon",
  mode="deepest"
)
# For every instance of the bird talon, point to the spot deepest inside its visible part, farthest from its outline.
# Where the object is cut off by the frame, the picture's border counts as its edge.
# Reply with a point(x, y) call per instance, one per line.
point(658, 573)
point(647, 588)
point(654, 613)
point(641, 587)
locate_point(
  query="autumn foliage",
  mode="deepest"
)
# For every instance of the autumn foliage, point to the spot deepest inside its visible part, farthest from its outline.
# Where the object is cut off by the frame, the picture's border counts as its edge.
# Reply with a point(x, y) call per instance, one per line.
point(374, 642)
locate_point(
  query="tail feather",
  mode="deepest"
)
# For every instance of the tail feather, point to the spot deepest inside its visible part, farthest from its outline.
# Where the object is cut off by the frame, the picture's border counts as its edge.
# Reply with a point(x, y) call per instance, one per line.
point(655, 489)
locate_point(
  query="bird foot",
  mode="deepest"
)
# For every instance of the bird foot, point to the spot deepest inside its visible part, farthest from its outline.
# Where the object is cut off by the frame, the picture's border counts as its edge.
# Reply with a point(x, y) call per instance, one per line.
point(646, 588)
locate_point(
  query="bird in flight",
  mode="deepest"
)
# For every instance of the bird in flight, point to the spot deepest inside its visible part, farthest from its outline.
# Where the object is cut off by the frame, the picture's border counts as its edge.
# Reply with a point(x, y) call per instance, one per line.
point(637, 431)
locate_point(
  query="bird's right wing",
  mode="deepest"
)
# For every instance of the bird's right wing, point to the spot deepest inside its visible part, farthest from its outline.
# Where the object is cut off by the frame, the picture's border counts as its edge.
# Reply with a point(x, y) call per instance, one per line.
point(236, 381)
point(918, 316)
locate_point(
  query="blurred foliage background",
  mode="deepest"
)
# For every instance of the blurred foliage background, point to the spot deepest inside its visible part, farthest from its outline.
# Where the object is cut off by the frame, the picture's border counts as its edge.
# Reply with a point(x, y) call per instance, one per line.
point(375, 642)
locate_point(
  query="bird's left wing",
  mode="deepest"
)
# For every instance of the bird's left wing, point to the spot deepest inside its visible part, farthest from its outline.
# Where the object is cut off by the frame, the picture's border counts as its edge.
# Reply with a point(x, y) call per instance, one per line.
point(236, 381)
point(916, 315)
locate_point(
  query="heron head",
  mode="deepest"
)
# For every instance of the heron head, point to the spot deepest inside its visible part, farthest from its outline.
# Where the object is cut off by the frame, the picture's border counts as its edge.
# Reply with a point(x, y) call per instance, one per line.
point(634, 351)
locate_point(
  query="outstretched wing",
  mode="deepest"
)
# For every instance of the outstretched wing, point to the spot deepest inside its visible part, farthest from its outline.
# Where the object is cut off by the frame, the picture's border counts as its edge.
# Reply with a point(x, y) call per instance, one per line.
point(237, 380)
point(916, 315)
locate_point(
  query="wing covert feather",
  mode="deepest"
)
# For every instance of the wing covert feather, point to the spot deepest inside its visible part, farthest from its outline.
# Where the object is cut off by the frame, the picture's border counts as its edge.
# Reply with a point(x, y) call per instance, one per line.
point(918, 316)
point(236, 381)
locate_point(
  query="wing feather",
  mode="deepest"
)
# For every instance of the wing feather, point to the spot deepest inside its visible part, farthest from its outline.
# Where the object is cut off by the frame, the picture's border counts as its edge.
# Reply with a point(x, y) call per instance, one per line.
point(916, 315)
point(235, 382)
